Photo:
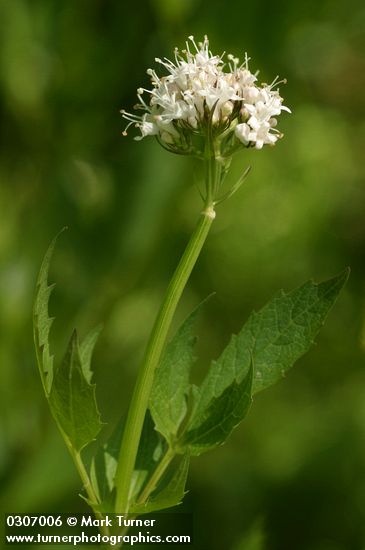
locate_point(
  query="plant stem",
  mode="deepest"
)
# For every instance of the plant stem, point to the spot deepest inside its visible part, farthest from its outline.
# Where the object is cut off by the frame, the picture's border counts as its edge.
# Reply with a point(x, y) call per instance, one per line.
point(84, 476)
point(142, 390)
point(86, 482)
point(156, 476)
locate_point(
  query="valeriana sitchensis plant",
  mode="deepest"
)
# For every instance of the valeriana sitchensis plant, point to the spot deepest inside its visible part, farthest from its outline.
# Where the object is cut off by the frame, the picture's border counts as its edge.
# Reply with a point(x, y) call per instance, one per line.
point(208, 106)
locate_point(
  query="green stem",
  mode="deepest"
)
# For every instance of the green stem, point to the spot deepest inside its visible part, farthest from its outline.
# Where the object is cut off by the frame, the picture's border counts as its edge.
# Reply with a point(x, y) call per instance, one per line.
point(156, 476)
point(141, 394)
point(84, 477)
point(88, 486)
point(153, 481)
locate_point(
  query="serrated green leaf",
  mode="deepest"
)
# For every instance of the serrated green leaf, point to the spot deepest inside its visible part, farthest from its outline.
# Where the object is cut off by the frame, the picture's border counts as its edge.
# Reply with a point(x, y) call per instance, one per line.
point(168, 400)
point(72, 400)
point(68, 389)
point(172, 492)
point(272, 340)
point(285, 329)
point(42, 322)
point(211, 425)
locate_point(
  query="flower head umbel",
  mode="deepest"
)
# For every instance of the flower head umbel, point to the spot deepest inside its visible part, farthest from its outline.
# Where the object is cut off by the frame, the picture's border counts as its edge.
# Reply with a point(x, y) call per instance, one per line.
point(202, 94)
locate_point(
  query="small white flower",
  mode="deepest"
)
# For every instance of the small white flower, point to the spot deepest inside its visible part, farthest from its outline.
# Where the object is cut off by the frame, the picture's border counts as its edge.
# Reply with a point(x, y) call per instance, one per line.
point(199, 91)
point(259, 136)
point(147, 127)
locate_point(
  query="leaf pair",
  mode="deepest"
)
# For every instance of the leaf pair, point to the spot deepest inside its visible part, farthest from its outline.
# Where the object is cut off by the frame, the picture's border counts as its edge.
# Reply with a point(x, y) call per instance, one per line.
point(194, 420)
point(185, 420)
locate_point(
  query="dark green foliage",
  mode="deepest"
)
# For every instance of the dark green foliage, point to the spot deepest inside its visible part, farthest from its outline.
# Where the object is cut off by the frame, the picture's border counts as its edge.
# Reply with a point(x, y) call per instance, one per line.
point(257, 357)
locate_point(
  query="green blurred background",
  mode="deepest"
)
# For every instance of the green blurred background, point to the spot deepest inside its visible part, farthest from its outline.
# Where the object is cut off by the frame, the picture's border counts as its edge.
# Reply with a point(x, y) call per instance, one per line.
point(293, 476)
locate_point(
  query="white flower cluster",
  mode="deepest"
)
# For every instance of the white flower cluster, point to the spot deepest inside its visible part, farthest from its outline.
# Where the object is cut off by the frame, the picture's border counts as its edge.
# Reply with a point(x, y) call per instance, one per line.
point(198, 93)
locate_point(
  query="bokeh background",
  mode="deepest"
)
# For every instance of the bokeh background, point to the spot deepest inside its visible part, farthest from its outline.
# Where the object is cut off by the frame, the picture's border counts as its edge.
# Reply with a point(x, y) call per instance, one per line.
point(292, 477)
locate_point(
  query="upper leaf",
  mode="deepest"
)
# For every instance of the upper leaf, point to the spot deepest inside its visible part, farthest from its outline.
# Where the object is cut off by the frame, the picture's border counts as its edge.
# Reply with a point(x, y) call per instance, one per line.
point(72, 400)
point(285, 329)
point(271, 340)
point(275, 337)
